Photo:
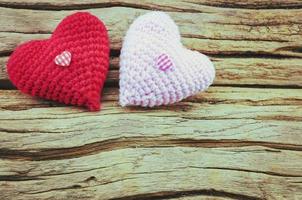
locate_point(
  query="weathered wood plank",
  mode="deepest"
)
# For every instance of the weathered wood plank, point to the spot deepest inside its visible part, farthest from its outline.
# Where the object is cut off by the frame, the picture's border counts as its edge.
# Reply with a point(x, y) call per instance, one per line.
point(175, 5)
point(221, 116)
point(143, 173)
point(222, 31)
point(229, 71)
point(14, 99)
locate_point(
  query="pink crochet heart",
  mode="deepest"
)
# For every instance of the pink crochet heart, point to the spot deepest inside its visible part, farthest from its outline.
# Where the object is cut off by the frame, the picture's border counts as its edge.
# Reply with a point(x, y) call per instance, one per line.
point(155, 68)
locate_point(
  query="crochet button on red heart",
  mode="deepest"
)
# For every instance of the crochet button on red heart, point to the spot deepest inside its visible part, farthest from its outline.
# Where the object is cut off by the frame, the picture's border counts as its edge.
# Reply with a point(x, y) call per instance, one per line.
point(33, 67)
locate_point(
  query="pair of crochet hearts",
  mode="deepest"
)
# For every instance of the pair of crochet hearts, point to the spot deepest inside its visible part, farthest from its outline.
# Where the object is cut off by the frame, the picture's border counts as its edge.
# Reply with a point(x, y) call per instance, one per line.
point(71, 66)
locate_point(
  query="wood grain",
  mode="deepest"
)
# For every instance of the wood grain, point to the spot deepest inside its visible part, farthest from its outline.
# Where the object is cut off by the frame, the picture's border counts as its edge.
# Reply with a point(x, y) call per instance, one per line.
point(271, 118)
point(239, 136)
point(146, 173)
point(220, 31)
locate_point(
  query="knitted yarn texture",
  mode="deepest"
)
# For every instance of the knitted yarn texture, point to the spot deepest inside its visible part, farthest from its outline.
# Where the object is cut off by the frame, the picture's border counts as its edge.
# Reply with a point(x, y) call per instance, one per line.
point(155, 68)
point(70, 67)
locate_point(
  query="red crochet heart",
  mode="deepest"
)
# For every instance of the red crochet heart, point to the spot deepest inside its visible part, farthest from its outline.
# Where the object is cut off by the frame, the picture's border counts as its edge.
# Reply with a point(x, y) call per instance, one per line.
point(33, 70)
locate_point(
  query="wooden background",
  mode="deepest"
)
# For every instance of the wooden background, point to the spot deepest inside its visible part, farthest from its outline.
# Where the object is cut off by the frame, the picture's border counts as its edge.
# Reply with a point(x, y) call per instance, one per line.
point(242, 139)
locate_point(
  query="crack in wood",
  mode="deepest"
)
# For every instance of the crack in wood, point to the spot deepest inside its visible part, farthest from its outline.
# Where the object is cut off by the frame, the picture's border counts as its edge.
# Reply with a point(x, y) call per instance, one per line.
point(40, 32)
point(259, 86)
point(251, 54)
point(133, 142)
point(18, 178)
point(253, 171)
point(190, 193)
point(52, 7)
point(270, 173)
point(191, 36)
point(78, 186)
point(266, 24)
point(152, 6)
point(257, 5)
point(7, 85)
